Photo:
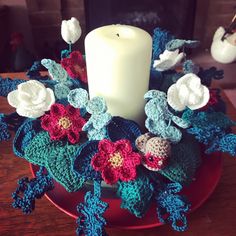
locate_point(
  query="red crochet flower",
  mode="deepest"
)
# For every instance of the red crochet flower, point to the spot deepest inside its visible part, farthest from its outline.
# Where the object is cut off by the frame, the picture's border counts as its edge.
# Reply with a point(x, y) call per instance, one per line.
point(63, 121)
point(116, 161)
point(75, 66)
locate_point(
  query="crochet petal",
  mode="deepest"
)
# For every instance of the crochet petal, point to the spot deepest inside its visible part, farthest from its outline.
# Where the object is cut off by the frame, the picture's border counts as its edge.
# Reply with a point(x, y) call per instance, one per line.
point(46, 122)
point(124, 146)
point(127, 173)
point(98, 162)
point(29, 113)
point(110, 176)
point(203, 101)
point(173, 99)
point(57, 110)
point(12, 98)
point(106, 146)
point(73, 137)
point(72, 112)
point(57, 133)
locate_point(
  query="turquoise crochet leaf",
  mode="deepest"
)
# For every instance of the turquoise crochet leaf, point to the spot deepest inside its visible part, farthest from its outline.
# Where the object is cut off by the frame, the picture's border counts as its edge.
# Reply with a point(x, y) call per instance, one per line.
point(192, 43)
point(136, 195)
point(24, 135)
point(96, 106)
point(228, 144)
point(190, 67)
point(83, 156)
point(100, 121)
point(59, 165)
point(184, 161)
point(160, 128)
point(175, 44)
point(78, 98)
point(38, 150)
point(120, 128)
point(55, 70)
point(61, 91)
point(57, 157)
point(4, 131)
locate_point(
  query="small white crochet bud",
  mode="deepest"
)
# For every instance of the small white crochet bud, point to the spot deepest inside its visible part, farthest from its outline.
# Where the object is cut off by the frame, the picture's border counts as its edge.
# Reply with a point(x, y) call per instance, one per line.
point(70, 30)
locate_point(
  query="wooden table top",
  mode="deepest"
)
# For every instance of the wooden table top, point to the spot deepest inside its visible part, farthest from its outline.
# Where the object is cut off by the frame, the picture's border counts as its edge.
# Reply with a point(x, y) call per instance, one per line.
point(216, 217)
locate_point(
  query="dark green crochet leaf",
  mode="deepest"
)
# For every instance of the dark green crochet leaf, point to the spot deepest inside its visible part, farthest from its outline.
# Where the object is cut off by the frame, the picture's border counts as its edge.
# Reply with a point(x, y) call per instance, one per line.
point(59, 166)
point(136, 195)
point(82, 166)
point(120, 128)
point(184, 161)
point(39, 149)
point(24, 136)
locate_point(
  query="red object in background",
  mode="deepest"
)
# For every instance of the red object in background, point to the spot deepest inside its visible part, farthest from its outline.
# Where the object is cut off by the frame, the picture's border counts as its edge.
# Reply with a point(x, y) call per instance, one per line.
point(207, 178)
point(16, 40)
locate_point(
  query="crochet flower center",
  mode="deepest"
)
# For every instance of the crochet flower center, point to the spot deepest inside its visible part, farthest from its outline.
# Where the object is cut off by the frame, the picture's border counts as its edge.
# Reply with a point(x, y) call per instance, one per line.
point(64, 122)
point(116, 160)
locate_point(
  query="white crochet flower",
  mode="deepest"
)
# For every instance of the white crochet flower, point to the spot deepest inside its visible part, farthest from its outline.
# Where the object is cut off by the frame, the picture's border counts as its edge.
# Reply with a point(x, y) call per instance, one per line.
point(188, 92)
point(70, 30)
point(31, 99)
point(168, 60)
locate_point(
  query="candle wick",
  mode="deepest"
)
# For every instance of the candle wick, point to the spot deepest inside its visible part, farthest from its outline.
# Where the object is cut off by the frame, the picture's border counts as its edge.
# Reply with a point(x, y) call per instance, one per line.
point(118, 35)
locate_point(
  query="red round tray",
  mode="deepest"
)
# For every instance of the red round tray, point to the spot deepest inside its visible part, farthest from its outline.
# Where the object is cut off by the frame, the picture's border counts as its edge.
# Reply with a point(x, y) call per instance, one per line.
point(200, 189)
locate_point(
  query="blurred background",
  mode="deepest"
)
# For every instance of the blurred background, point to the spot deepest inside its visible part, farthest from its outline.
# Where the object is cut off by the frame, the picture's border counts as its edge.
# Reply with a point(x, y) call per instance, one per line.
point(30, 29)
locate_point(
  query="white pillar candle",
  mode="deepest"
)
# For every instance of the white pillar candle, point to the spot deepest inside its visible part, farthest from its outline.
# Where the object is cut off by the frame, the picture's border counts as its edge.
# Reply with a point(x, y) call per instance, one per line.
point(118, 59)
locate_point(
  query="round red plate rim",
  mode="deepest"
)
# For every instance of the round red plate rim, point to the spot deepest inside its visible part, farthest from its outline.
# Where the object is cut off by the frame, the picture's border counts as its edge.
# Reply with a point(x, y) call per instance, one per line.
point(150, 225)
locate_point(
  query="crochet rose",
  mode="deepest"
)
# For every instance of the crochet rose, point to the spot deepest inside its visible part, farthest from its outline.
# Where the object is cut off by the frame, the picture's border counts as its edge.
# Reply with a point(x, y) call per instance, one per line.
point(31, 99)
point(168, 60)
point(63, 121)
point(188, 92)
point(116, 161)
point(70, 30)
point(75, 66)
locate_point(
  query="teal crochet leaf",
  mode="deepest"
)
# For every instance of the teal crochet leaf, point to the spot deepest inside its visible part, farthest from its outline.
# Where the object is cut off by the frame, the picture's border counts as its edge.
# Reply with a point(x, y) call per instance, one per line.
point(180, 43)
point(24, 136)
point(136, 195)
point(120, 128)
point(184, 161)
point(57, 157)
point(59, 165)
point(38, 151)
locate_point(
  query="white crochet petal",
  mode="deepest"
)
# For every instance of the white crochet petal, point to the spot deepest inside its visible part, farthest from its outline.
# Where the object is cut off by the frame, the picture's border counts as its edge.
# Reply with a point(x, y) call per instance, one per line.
point(178, 58)
point(203, 101)
point(70, 30)
point(173, 98)
point(29, 113)
point(50, 99)
point(162, 65)
point(12, 98)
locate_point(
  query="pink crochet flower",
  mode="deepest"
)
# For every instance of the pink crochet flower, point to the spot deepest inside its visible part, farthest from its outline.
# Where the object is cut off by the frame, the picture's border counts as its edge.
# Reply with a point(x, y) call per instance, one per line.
point(116, 161)
point(75, 66)
point(63, 121)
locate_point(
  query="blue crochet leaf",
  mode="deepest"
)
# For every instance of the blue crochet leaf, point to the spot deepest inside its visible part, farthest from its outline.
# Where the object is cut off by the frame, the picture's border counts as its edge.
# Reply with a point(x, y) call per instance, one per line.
point(7, 85)
point(4, 131)
point(136, 195)
point(160, 39)
point(82, 166)
point(228, 144)
point(172, 207)
point(120, 128)
point(208, 75)
point(192, 43)
point(78, 98)
point(24, 136)
point(31, 190)
point(190, 67)
point(91, 221)
point(34, 72)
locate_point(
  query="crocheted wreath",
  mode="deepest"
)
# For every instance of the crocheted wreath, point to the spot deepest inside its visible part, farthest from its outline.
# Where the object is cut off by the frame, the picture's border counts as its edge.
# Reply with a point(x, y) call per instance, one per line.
point(75, 140)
